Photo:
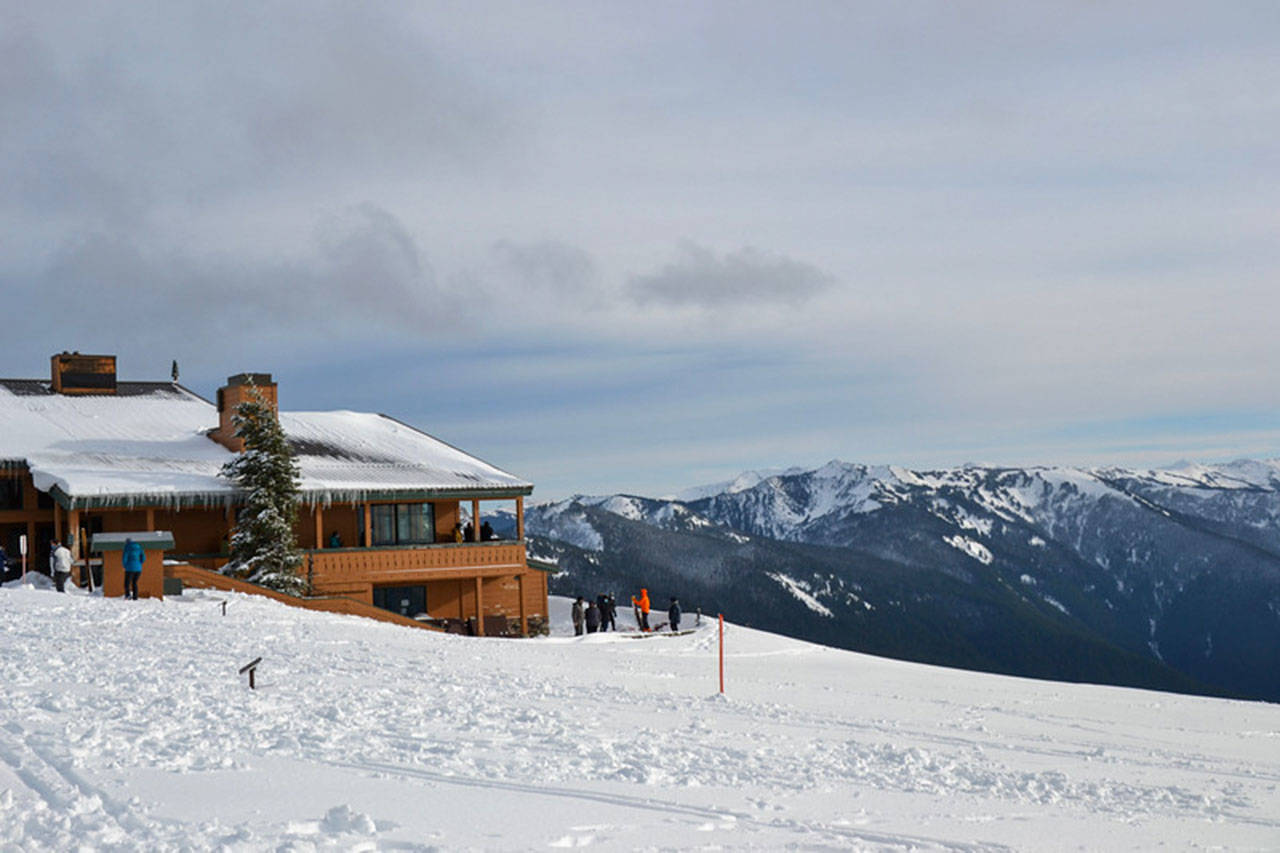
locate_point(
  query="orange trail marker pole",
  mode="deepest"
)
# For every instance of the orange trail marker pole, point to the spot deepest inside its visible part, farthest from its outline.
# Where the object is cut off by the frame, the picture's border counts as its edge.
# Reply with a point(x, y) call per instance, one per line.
point(722, 653)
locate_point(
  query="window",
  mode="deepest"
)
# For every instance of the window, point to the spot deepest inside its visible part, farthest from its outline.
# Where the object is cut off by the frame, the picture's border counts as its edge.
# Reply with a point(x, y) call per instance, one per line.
point(10, 493)
point(405, 600)
point(403, 524)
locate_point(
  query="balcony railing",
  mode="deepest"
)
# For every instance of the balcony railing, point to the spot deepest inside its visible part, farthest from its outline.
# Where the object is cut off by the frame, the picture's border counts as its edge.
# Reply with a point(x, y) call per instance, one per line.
point(384, 565)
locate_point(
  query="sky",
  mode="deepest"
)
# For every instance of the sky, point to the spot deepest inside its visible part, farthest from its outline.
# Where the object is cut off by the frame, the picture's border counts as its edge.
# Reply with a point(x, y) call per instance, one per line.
point(632, 247)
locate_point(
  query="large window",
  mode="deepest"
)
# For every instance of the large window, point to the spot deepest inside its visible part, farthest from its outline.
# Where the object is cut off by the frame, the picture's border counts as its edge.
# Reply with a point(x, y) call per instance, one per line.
point(405, 600)
point(403, 524)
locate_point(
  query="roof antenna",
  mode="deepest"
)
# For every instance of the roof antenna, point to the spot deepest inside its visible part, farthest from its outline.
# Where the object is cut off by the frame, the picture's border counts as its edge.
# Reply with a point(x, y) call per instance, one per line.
point(174, 370)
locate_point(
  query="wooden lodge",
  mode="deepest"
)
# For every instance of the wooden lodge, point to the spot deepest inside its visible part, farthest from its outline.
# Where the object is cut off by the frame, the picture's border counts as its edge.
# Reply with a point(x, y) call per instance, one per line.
point(384, 504)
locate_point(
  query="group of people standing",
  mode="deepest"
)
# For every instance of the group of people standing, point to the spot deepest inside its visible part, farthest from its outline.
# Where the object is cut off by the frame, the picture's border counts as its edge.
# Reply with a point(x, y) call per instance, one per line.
point(593, 616)
point(464, 533)
point(601, 614)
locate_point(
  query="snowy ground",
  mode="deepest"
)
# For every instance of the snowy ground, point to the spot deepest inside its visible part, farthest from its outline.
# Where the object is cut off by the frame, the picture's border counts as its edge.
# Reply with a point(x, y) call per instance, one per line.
point(124, 725)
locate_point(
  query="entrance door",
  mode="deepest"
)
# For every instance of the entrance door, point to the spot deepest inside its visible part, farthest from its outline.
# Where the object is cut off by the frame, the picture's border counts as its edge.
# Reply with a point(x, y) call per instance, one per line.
point(406, 600)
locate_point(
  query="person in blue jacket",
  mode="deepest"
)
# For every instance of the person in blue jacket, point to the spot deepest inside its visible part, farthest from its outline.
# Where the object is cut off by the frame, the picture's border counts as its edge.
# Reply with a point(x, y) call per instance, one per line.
point(133, 558)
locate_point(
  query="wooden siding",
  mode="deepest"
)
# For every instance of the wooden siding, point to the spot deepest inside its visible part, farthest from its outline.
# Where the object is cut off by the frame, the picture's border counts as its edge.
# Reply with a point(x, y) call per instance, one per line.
point(348, 520)
point(195, 531)
point(446, 517)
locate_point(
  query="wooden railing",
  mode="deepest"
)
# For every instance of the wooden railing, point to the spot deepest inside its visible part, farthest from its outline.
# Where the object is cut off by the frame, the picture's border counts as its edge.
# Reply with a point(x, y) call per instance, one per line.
point(341, 566)
point(203, 579)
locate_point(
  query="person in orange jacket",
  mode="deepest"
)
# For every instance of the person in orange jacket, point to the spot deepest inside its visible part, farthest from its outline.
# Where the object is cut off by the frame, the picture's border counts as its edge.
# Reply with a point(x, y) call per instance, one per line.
point(641, 606)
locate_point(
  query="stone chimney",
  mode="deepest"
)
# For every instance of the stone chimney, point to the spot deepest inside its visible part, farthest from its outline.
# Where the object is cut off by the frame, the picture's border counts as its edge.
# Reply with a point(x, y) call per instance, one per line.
point(240, 389)
point(73, 373)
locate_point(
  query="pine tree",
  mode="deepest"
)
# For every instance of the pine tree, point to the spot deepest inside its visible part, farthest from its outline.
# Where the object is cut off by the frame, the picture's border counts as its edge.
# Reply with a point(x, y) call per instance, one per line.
point(263, 547)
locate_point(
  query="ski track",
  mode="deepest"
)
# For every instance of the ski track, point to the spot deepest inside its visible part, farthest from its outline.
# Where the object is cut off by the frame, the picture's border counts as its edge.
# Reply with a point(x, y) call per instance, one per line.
point(740, 818)
point(507, 716)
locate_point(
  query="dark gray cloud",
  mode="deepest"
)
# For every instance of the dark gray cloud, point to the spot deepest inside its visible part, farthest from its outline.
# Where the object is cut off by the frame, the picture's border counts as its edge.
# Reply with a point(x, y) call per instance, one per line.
point(748, 276)
point(549, 267)
point(113, 112)
point(361, 272)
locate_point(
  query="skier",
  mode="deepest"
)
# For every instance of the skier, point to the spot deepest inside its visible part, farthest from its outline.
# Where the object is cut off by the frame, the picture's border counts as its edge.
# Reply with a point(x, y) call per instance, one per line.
point(133, 558)
point(60, 565)
point(641, 607)
point(577, 614)
point(673, 614)
point(486, 532)
point(592, 617)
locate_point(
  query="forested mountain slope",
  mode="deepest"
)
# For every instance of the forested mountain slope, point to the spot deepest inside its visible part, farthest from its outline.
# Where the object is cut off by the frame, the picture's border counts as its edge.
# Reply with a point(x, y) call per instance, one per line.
point(1167, 578)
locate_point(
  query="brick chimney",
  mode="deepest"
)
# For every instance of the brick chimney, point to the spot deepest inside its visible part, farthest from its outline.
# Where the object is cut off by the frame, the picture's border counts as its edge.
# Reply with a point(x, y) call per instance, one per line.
point(73, 373)
point(240, 389)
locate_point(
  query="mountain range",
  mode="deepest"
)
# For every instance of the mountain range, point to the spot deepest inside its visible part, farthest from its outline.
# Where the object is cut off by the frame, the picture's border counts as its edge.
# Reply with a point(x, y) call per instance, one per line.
point(1168, 579)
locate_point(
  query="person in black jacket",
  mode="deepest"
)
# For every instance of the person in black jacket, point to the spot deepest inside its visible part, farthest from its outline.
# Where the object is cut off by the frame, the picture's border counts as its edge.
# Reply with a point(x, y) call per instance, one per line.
point(673, 614)
point(592, 617)
point(605, 604)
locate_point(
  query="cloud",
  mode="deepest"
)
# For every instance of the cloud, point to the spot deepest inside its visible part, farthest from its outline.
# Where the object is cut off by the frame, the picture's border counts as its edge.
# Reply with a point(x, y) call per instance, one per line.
point(112, 114)
point(549, 267)
point(361, 277)
point(748, 276)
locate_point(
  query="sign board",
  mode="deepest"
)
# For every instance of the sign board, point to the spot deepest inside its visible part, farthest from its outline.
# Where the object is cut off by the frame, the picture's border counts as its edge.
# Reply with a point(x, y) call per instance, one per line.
point(150, 540)
point(22, 544)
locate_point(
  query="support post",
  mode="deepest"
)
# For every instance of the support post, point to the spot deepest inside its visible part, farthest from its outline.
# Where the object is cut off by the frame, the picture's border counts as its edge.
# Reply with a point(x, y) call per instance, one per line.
point(524, 618)
point(319, 527)
point(368, 526)
point(722, 653)
point(479, 608)
point(151, 518)
point(520, 517)
point(475, 521)
point(73, 532)
point(57, 521)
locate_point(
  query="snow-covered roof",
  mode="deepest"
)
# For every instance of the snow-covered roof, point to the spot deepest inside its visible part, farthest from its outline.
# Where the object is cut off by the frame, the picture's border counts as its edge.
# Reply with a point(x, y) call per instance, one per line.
point(149, 443)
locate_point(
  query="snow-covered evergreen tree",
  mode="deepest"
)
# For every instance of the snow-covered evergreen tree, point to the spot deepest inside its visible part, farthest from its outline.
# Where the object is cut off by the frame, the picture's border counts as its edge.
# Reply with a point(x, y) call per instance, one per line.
point(263, 547)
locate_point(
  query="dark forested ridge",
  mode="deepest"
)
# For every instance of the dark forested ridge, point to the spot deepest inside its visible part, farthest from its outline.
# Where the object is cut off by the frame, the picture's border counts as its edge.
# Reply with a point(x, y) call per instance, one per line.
point(1167, 579)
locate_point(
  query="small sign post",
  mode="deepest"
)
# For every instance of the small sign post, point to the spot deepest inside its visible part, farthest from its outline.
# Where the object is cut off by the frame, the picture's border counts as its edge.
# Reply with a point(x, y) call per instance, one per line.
point(22, 549)
point(251, 667)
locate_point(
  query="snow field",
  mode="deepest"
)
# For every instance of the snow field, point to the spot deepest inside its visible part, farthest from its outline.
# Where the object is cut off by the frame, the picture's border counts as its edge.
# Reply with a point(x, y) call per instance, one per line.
point(124, 725)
